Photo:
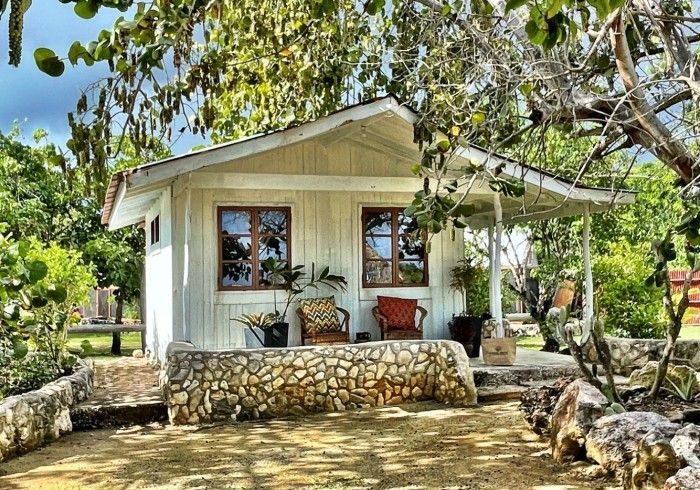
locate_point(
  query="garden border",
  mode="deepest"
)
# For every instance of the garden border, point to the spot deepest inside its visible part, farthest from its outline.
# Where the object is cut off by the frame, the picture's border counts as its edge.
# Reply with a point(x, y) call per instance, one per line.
point(32, 419)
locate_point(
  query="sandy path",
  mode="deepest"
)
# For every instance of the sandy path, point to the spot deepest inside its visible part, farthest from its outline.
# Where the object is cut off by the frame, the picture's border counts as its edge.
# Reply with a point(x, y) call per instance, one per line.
point(417, 446)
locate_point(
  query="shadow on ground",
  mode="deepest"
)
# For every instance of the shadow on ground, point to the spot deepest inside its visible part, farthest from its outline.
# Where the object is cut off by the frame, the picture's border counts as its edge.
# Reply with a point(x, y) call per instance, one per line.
point(416, 446)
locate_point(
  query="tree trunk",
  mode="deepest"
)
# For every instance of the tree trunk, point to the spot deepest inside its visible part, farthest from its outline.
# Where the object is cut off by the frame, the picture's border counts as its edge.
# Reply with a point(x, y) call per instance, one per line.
point(671, 338)
point(117, 336)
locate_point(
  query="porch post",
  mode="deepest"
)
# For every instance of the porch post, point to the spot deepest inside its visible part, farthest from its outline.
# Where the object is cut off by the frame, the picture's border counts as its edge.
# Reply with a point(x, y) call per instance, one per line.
point(498, 308)
point(588, 291)
point(492, 302)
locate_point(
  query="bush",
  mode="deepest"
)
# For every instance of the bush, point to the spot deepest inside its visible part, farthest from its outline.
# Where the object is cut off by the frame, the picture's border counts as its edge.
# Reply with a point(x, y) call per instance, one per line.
point(628, 307)
point(31, 372)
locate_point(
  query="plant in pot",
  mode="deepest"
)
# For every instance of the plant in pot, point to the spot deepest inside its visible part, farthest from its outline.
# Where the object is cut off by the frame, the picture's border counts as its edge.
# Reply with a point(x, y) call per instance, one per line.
point(294, 282)
point(262, 321)
point(470, 279)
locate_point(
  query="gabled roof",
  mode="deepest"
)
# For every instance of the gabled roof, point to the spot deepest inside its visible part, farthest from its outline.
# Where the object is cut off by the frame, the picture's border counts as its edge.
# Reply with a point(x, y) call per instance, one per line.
point(147, 180)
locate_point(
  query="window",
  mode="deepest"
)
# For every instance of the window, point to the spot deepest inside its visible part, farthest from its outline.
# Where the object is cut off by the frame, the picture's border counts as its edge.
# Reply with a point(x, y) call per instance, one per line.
point(247, 237)
point(394, 249)
point(155, 230)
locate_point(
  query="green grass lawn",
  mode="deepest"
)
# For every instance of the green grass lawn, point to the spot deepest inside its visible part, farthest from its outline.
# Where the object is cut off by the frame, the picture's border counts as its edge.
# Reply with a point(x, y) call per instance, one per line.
point(102, 342)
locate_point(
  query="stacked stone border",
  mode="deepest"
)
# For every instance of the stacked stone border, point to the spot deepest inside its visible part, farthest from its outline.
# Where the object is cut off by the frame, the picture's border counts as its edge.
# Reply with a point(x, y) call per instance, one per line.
point(203, 386)
point(631, 354)
point(32, 419)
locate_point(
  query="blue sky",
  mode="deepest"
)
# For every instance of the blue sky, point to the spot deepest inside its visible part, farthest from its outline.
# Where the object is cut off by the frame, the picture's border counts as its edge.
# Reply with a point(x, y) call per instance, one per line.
point(38, 100)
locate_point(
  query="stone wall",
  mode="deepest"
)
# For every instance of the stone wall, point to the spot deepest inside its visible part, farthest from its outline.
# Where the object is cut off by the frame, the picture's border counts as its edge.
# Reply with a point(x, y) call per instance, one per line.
point(631, 354)
point(207, 386)
point(32, 419)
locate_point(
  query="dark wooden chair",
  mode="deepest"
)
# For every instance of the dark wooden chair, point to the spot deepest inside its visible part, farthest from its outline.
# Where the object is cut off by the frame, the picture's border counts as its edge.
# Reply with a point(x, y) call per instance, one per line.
point(390, 333)
point(309, 336)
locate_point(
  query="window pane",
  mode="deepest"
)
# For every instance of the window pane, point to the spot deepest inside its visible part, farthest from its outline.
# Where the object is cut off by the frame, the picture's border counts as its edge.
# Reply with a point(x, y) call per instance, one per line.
point(411, 247)
point(407, 225)
point(411, 272)
point(273, 246)
point(237, 274)
point(266, 280)
point(378, 247)
point(378, 223)
point(235, 223)
point(378, 272)
point(236, 248)
point(272, 222)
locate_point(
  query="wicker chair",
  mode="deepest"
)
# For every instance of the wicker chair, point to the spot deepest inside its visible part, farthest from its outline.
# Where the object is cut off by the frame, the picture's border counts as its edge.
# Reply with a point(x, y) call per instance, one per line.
point(310, 337)
point(389, 333)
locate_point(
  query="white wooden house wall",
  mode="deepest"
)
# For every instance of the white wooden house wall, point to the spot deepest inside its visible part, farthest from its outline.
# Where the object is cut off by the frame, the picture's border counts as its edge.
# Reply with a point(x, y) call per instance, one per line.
point(326, 230)
point(159, 284)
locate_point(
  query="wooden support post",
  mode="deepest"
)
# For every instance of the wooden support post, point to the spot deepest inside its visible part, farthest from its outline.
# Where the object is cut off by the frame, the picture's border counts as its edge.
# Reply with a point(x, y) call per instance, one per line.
point(498, 307)
point(588, 288)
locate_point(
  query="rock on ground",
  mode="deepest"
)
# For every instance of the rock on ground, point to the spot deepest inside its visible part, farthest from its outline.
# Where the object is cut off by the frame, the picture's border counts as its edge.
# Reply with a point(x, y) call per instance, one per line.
point(613, 440)
point(654, 462)
point(680, 375)
point(686, 479)
point(686, 444)
point(579, 406)
point(537, 405)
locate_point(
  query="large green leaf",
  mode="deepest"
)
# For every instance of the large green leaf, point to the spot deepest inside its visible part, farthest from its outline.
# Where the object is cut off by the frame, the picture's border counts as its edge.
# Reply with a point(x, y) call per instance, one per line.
point(47, 61)
point(86, 9)
point(37, 271)
point(514, 4)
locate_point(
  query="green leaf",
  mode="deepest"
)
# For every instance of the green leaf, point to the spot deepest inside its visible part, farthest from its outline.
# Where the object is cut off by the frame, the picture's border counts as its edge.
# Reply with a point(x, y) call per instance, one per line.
point(86, 9)
point(19, 349)
point(47, 61)
point(57, 293)
point(514, 4)
point(478, 118)
point(443, 146)
point(37, 271)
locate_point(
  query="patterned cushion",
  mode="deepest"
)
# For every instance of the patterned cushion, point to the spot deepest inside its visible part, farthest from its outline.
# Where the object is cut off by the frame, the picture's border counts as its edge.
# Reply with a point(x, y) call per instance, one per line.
point(320, 315)
point(400, 313)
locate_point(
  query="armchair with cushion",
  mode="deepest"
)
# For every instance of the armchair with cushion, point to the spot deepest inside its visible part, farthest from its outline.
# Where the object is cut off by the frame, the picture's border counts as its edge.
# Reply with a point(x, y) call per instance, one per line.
point(397, 318)
point(320, 324)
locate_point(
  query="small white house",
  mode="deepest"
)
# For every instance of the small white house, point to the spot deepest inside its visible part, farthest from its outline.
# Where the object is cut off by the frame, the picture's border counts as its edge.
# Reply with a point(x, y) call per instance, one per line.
point(302, 194)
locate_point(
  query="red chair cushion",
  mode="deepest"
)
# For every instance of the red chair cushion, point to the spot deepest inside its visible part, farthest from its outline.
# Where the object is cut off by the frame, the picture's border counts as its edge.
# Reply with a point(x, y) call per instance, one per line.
point(400, 313)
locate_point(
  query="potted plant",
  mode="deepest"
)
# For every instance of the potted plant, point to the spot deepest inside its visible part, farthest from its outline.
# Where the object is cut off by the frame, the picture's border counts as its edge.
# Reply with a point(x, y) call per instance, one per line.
point(470, 279)
point(263, 321)
point(294, 282)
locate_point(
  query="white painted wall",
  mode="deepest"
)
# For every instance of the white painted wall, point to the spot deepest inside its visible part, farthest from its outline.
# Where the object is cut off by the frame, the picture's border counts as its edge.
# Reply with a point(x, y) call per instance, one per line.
point(159, 285)
point(326, 229)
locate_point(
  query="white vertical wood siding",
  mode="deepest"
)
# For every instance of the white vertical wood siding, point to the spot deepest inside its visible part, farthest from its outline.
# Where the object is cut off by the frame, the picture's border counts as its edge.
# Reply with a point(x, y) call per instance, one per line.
point(159, 259)
point(326, 230)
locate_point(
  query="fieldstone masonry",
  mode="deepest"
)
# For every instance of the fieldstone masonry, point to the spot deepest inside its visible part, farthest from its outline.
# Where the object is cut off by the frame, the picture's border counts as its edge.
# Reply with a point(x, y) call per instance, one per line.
point(32, 419)
point(202, 386)
point(630, 354)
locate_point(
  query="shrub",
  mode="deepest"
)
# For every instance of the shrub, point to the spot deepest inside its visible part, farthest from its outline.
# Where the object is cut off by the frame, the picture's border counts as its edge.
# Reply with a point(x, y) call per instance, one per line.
point(31, 372)
point(628, 307)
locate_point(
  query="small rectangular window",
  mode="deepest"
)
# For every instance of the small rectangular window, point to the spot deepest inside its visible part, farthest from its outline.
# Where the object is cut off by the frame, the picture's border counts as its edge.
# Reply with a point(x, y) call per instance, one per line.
point(155, 230)
point(248, 236)
point(393, 249)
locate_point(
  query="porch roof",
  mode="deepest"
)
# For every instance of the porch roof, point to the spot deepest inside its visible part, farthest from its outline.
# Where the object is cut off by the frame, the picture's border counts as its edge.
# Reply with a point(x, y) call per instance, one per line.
point(384, 124)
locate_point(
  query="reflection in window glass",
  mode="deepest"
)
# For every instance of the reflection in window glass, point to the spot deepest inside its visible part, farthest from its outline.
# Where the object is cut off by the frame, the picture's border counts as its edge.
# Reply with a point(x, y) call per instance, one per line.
point(236, 248)
point(235, 223)
point(272, 222)
point(411, 272)
point(237, 274)
point(273, 246)
point(394, 249)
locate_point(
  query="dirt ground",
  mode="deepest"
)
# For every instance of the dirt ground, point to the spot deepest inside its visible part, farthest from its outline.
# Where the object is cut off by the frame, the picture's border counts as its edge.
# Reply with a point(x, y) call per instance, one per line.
point(415, 446)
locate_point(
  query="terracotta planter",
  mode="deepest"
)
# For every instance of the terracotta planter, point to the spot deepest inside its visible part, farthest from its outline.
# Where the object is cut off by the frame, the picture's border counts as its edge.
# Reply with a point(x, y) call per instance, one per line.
point(498, 351)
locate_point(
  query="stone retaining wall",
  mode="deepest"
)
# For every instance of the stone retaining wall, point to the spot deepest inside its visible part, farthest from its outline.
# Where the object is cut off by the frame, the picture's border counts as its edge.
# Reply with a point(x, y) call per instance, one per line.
point(207, 386)
point(631, 354)
point(32, 419)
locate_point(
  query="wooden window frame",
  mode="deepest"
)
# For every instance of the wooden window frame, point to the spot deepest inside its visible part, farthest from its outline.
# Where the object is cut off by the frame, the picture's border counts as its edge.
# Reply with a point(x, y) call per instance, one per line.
point(155, 230)
point(395, 260)
point(254, 241)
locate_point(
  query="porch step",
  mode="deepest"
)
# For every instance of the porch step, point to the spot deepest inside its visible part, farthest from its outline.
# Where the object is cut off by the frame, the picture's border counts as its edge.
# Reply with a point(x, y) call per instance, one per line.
point(91, 416)
point(499, 393)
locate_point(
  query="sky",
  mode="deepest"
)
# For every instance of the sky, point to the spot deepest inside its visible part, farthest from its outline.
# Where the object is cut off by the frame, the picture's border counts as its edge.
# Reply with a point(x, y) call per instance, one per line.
point(37, 100)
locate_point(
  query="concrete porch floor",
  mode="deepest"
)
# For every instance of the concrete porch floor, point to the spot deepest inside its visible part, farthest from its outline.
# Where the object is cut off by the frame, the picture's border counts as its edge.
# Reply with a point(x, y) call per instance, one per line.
point(530, 366)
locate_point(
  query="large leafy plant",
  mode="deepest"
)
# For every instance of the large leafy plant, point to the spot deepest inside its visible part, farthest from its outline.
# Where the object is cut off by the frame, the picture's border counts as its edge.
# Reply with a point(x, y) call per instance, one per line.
point(294, 281)
point(470, 279)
